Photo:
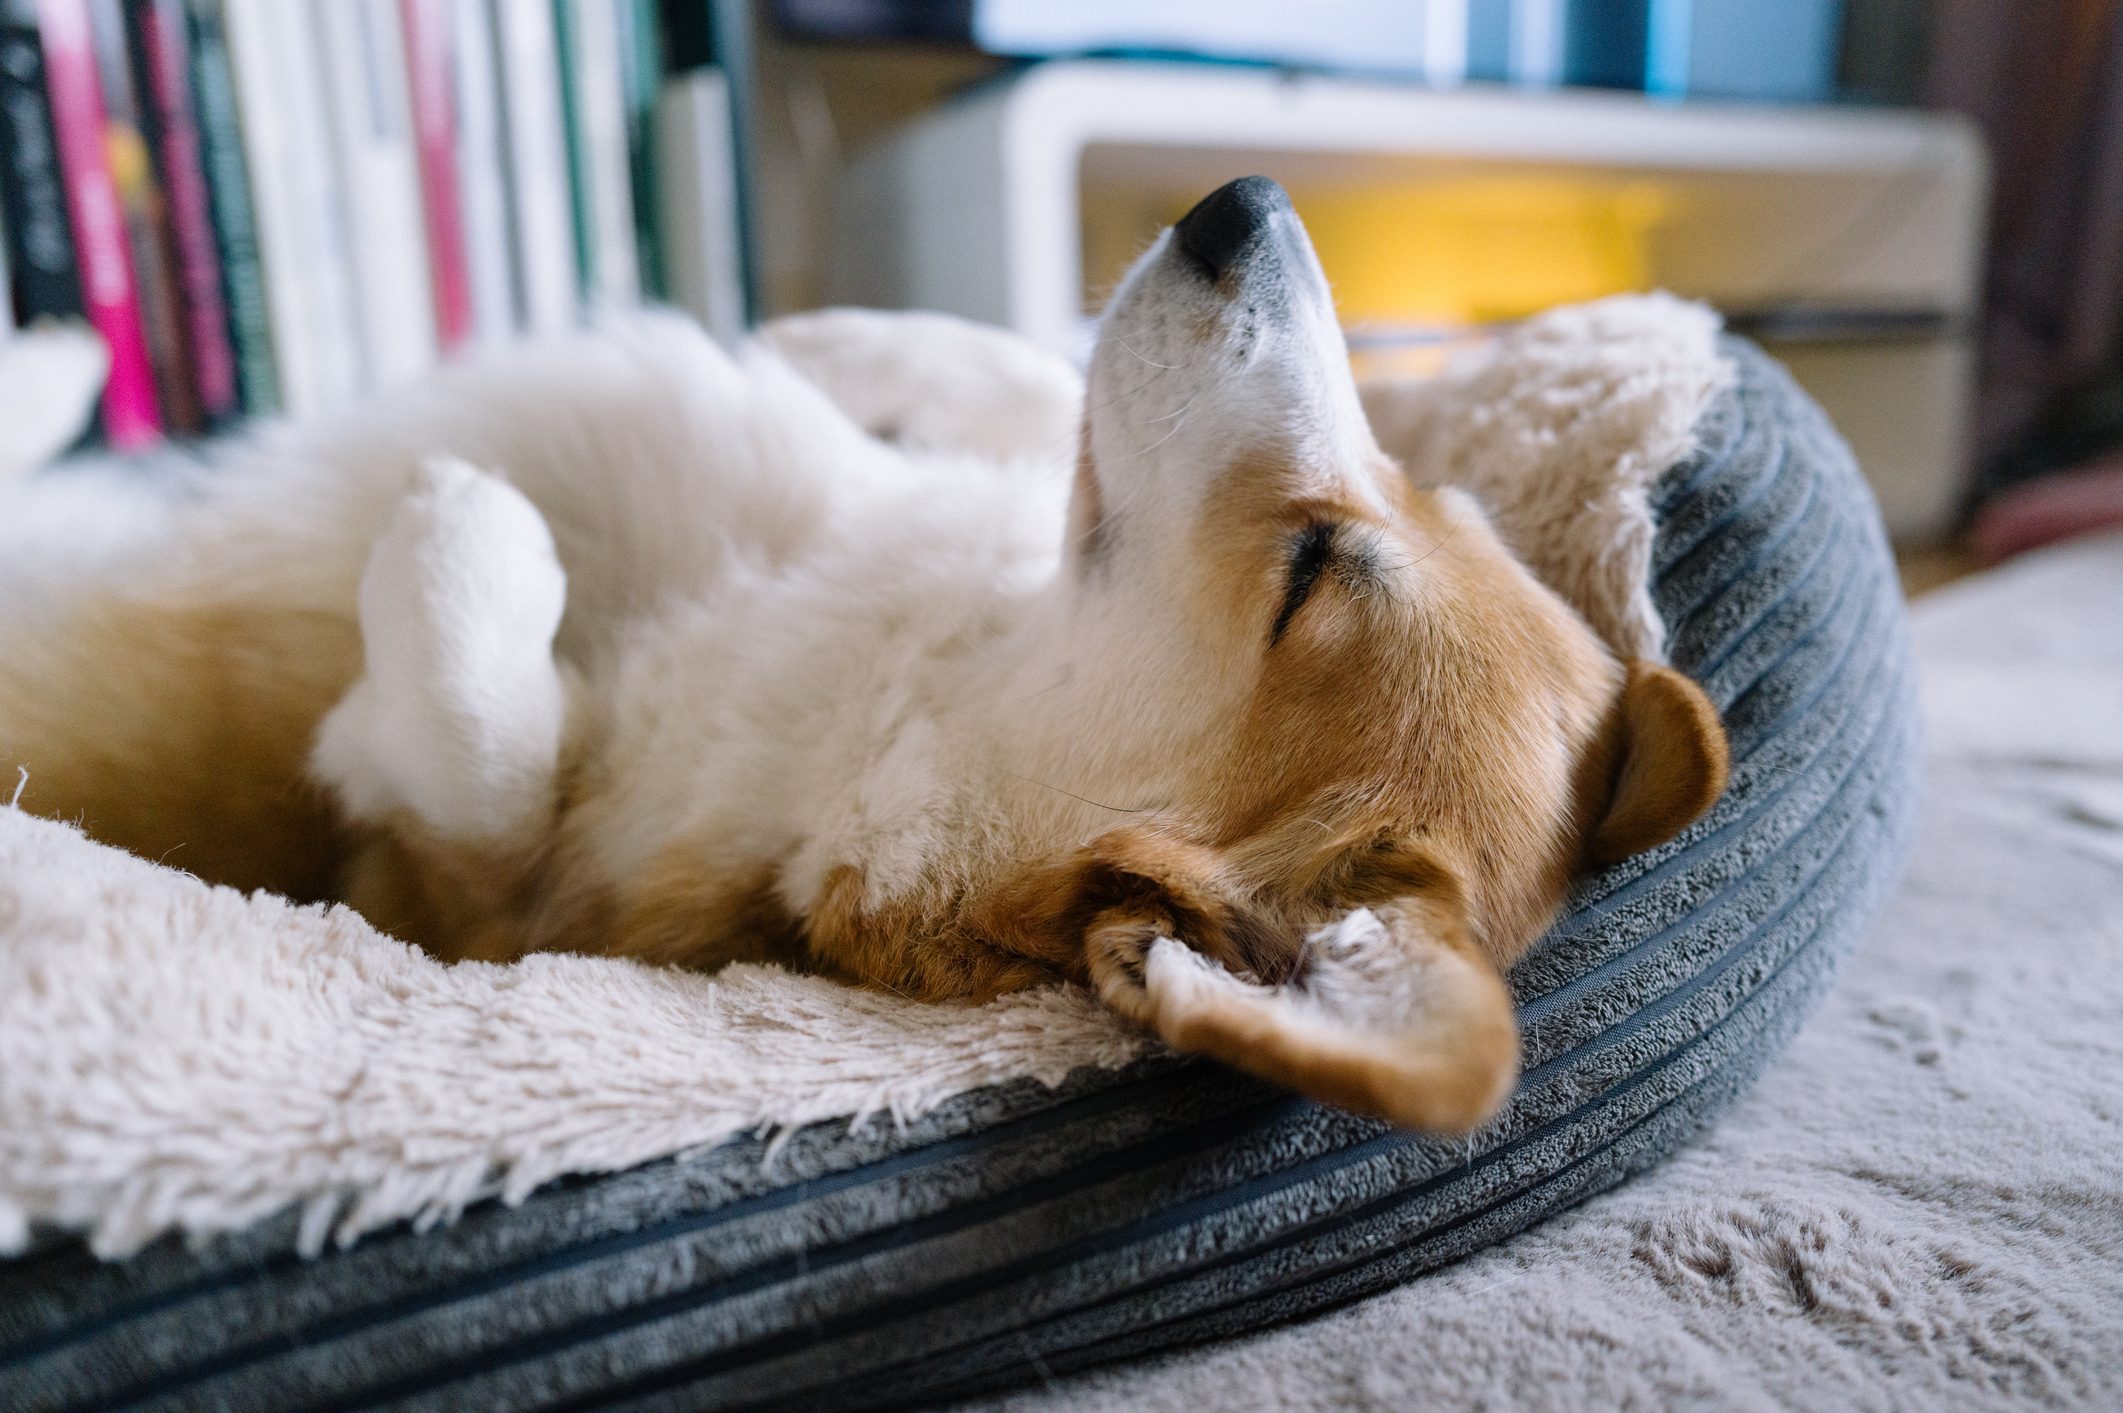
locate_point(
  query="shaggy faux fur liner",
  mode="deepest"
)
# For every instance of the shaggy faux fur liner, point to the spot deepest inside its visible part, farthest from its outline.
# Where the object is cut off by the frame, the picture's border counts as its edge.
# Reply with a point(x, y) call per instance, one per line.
point(180, 1058)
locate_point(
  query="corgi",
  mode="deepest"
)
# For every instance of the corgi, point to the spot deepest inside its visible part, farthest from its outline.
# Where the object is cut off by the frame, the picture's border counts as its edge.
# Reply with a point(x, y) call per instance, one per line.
point(887, 647)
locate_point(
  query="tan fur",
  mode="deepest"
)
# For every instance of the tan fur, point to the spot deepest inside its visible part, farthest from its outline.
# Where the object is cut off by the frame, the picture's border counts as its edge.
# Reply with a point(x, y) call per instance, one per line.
point(917, 947)
point(677, 905)
point(457, 902)
point(180, 732)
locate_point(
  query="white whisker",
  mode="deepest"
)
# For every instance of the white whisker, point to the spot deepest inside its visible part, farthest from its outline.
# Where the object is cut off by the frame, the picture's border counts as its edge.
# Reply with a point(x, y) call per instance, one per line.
point(1151, 361)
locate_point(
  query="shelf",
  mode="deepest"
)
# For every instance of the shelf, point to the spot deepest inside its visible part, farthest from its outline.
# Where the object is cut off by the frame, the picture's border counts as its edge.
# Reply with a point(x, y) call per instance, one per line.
point(1021, 202)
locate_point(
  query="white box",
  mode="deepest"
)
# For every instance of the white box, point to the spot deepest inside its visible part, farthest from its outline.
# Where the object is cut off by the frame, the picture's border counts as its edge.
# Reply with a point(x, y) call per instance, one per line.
point(979, 208)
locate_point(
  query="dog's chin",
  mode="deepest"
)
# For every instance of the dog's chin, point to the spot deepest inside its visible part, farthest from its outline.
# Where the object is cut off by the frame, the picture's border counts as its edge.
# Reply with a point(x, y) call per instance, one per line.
point(1155, 313)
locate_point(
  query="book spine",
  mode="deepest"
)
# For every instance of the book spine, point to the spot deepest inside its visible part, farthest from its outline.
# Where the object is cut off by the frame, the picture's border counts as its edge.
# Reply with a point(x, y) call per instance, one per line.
point(162, 94)
point(43, 280)
point(698, 200)
point(1606, 45)
point(1538, 33)
point(157, 277)
point(132, 415)
point(267, 162)
point(1445, 42)
point(371, 136)
point(156, 30)
point(594, 92)
point(1489, 40)
point(301, 239)
point(228, 191)
point(539, 219)
point(329, 271)
point(580, 225)
point(1669, 48)
point(641, 57)
point(482, 176)
point(429, 81)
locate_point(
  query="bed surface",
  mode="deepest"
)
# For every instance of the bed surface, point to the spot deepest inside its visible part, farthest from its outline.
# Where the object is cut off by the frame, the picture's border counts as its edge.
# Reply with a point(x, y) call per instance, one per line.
point(1921, 1206)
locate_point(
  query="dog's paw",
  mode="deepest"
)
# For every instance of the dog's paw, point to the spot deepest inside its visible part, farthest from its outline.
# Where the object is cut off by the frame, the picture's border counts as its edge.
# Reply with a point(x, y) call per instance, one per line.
point(1394, 1026)
point(458, 716)
point(1118, 947)
point(465, 576)
point(50, 377)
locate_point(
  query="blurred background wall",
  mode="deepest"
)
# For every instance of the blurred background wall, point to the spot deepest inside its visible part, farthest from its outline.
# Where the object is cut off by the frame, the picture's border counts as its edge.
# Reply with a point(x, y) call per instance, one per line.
point(276, 205)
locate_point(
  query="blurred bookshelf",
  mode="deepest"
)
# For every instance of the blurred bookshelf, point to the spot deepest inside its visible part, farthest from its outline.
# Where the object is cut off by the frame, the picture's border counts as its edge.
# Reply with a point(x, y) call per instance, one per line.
point(1460, 164)
point(276, 205)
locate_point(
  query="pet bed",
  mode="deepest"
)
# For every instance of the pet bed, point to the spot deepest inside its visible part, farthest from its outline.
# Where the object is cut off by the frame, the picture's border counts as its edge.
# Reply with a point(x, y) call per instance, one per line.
point(1019, 1230)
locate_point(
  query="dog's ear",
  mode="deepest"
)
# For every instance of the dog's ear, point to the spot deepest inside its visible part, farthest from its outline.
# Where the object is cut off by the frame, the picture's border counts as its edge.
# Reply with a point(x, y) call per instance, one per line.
point(1668, 760)
point(1390, 1011)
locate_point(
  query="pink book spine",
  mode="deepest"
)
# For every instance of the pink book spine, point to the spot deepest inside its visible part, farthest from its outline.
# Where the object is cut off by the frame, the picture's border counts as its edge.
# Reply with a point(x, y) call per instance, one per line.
point(428, 69)
point(184, 187)
point(131, 418)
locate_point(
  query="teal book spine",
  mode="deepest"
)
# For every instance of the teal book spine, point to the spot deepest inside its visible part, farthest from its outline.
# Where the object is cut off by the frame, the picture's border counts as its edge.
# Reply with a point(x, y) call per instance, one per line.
point(228, 189)
point(643, 67)
point(577, 147)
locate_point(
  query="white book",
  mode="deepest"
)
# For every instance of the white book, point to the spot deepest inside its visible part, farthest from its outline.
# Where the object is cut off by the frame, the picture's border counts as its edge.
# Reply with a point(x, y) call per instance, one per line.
point(697, 210)
point(378, 167)
point(482, 187)
point(1445, 42)
point(600, 120)
point(301, 235)
point(541, 225)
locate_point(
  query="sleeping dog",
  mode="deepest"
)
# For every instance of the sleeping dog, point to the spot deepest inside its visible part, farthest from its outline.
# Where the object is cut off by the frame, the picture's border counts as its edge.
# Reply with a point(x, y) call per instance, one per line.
point(888, 649)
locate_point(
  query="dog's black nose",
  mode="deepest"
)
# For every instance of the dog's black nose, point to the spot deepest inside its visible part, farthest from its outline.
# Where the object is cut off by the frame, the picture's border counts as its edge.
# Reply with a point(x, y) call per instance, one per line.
point(1223, 223)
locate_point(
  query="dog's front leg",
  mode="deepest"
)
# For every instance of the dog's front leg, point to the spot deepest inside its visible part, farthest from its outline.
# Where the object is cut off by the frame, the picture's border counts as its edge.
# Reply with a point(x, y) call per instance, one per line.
point(457, 719)
point(1393, 1014)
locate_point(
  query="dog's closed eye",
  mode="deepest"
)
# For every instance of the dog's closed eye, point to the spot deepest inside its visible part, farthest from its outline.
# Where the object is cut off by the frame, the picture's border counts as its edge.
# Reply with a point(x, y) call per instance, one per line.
point(1312, 550)
point(1327, 549)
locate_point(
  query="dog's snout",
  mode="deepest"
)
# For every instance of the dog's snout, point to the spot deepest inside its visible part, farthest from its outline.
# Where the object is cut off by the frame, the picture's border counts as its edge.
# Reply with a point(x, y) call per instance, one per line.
point(1226, 222)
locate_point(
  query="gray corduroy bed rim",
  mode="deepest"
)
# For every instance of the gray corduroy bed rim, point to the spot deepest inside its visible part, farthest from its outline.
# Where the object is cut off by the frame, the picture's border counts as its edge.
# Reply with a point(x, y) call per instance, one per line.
point(1023, 1231)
